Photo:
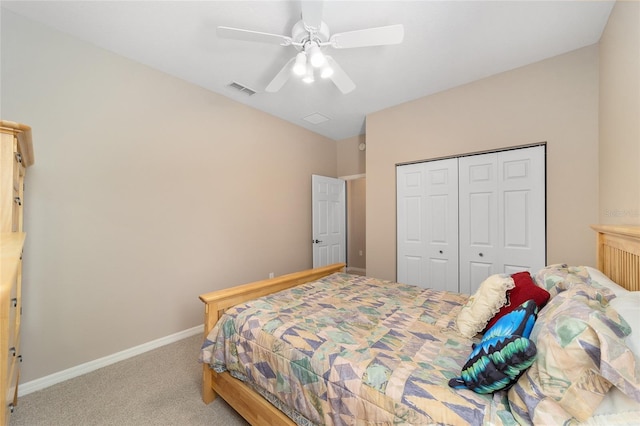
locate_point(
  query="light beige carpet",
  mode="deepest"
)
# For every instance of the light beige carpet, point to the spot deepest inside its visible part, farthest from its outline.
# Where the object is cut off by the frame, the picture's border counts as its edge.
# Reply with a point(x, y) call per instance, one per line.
point(160, 387)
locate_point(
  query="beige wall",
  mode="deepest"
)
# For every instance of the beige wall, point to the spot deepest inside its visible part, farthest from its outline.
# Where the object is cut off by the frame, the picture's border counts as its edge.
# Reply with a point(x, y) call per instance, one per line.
point(356, 223)
point(553, 101)
point(146, 192)
point(620, 116)
point(351, 161)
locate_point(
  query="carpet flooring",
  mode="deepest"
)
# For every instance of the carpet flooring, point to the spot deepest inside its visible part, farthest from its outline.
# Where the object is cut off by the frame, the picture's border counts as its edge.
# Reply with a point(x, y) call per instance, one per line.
point(160, 387)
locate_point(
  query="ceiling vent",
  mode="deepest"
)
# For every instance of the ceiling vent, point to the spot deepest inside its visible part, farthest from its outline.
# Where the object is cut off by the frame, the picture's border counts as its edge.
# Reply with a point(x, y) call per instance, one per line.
point(316, 118)
point(240, 88)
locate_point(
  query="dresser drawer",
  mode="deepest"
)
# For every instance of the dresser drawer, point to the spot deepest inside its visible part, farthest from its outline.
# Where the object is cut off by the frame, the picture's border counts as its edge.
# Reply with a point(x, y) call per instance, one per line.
point(13, 326)
point(16, 213)
point(17, 197)
point(18, 170)
point(13, 370)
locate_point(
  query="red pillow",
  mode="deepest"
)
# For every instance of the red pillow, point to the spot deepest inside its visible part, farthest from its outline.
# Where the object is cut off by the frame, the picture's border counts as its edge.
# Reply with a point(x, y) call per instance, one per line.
point(524, 290)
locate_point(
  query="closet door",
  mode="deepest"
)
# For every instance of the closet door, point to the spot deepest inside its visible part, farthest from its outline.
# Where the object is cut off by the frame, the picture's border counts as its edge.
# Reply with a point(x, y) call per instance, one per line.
point(479, 247)
point(522, 234)
point(427, 217)
point(502, 214)
point(410, 238)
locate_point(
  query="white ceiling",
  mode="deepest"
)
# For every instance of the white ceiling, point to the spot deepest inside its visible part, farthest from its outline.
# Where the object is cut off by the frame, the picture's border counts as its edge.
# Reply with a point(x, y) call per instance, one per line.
point(446, 44)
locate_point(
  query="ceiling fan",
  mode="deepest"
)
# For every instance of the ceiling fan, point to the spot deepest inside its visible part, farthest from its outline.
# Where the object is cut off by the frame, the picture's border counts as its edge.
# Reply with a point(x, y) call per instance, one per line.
point(310, 36)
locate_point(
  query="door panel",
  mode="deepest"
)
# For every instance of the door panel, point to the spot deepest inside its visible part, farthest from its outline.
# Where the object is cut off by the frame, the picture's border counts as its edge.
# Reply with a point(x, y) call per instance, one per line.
point(329, 217)
point(410, 224)
point(478, 272)
point(522, 208)
point(427, 239)
point(442, 224)
point(516, 232)
point(478, 220)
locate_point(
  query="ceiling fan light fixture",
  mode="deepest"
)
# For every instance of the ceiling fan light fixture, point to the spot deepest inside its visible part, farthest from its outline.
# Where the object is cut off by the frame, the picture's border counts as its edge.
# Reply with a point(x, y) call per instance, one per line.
point(316, 58)
point(326, 72)
point(308, 77)
point(300, 66)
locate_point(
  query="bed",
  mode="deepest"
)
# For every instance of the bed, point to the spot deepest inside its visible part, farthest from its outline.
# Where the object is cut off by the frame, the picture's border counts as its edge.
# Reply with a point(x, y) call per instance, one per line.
point(340, 362)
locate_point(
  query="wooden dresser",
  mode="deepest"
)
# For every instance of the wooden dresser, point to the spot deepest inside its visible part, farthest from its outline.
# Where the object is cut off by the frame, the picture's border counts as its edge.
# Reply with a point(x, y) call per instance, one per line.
point(16, 154)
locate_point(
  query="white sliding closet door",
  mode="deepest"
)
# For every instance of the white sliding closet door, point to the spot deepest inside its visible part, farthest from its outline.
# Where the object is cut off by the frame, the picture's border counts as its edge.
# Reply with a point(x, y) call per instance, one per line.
point(427, 211)
point(502, 214)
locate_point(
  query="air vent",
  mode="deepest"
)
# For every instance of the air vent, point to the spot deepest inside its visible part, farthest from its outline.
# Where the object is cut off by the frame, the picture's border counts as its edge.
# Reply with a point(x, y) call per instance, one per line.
point(240, 88)
point(316, 118)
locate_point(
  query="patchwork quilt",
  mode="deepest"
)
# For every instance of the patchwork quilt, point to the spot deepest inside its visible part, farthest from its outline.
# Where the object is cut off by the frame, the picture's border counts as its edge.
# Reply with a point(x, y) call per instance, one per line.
point(349, 350)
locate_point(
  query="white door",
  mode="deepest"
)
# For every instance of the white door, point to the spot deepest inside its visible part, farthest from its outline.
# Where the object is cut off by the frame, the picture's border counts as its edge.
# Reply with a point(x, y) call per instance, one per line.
point(411, 243)
point(502, 214)
point(328, 216)
point(521, 204)
point(427, 218)
point(478, 199)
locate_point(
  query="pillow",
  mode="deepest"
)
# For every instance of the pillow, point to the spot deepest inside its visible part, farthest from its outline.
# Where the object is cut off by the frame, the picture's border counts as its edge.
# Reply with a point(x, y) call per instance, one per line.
point(628, 306)
point(502, 355)
point(525, 289)
point(518, 322)
point(614, 404)
point(581, 354)
point(601, 279)
point(483, 305)
point(561, 277)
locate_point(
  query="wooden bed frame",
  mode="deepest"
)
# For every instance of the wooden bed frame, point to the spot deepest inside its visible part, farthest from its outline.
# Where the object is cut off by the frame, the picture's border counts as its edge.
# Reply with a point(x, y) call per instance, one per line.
point(247, 402)
point(618, 257)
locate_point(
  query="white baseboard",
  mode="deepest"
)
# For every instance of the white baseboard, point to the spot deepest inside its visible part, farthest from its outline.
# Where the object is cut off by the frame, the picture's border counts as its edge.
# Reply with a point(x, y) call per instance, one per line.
point(70, 373)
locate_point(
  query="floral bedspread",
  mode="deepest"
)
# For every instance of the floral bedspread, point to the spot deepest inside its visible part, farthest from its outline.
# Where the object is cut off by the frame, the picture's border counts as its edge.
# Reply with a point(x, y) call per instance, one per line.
point(350, 350)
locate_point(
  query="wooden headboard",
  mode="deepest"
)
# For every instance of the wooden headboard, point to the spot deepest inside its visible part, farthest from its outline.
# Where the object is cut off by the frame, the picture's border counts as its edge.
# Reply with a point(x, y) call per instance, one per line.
point(618, 254)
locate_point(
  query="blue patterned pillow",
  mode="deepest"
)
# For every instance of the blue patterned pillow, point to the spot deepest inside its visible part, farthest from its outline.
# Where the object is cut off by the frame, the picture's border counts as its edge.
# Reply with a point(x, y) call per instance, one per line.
point(502, 355)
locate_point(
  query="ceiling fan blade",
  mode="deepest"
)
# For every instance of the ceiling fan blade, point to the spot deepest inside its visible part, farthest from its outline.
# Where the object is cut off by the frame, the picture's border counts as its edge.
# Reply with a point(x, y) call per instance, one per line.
point(248, 35)
point(312, 13)
point(379, 36)
point(340, 78)
point(281, 78)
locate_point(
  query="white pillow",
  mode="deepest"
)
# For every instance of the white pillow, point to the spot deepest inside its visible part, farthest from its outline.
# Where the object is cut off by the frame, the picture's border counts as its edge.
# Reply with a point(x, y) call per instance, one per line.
point(615, 402)
point(605, 281)
point(484, 304)
point(628, 306)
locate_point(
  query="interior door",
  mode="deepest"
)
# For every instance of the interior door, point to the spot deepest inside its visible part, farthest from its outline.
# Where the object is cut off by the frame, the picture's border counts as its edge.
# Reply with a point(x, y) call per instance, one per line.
point(521, 209)
point(478, 197)
point(502, 214)
point(329, 220)
point(427, 218)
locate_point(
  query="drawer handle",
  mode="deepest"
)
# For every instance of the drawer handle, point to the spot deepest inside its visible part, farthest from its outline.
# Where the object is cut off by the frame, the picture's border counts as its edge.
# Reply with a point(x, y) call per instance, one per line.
point(480, 254)
point(18, 201)
point(19, 157)
point(14, 302)
point(12, 351)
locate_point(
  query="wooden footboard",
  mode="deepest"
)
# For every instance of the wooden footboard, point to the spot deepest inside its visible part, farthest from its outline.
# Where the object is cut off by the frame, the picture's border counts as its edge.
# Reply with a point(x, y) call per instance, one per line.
point(253, 407)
